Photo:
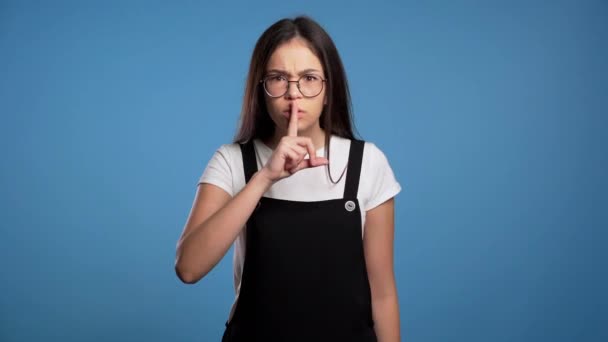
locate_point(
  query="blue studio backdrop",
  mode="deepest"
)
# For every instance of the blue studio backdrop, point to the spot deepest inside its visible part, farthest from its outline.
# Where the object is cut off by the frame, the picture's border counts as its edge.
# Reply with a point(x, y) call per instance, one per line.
point(491, 113)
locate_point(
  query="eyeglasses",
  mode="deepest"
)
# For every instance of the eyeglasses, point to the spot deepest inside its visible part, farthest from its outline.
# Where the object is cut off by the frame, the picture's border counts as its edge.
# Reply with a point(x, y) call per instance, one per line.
point(277, 85)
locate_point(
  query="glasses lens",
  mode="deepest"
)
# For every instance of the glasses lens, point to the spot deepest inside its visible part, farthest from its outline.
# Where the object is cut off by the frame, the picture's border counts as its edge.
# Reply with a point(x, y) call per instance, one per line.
point(311, 85)
point(276, 85)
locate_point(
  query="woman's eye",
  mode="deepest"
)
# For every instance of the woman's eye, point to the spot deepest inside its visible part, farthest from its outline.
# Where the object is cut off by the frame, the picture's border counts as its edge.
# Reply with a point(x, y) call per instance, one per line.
point(277, 78)
point(311, 78)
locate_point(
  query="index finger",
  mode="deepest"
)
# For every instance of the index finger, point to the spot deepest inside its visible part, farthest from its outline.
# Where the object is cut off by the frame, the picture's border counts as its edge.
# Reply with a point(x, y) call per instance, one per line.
point(292, 129)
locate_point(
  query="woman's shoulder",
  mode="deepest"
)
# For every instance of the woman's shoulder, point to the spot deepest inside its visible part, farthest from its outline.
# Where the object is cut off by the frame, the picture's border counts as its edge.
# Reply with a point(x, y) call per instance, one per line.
point(370, 148)
point(226, 157)
point(378, 181)
point(229, 150)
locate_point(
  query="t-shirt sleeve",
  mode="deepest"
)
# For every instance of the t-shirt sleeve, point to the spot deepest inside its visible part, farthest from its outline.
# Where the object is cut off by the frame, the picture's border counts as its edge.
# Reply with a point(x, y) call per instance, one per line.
point(219, 170)
point(383, 185)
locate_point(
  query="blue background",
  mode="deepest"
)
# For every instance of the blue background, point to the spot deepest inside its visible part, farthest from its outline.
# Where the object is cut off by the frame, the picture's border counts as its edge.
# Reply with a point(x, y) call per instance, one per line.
point(492, 115)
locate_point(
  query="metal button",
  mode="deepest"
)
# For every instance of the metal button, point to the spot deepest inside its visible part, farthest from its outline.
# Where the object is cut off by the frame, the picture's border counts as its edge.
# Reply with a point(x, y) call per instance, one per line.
point(350, 205)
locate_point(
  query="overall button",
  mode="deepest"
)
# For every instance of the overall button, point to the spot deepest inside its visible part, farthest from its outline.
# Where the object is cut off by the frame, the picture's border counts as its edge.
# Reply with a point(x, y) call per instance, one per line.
point(350, 205)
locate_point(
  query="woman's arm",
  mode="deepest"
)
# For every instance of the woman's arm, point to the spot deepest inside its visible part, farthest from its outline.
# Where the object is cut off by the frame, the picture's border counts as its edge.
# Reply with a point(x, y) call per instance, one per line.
point(378, 243)
point(214, 222)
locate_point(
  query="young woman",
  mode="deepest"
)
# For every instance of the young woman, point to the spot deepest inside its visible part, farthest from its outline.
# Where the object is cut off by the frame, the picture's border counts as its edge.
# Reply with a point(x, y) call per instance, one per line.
point(313, 255)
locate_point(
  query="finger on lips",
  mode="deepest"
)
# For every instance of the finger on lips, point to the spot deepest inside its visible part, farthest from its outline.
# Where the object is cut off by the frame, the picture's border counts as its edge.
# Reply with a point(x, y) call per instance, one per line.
point(302, 142)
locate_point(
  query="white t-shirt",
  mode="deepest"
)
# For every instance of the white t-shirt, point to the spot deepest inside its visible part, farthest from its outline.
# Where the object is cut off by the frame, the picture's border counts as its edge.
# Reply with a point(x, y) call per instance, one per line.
point(377, 183)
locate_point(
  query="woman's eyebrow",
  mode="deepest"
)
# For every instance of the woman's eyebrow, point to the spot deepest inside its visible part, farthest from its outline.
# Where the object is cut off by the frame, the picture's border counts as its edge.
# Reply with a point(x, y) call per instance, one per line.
point(305, 71)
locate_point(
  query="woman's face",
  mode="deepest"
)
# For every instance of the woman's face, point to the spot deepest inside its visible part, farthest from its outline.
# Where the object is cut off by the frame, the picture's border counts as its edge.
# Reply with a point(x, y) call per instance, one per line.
point(294, 59)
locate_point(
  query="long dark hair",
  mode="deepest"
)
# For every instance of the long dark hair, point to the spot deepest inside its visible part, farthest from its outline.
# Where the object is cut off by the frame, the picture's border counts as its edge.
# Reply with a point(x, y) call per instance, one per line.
point(336, 117)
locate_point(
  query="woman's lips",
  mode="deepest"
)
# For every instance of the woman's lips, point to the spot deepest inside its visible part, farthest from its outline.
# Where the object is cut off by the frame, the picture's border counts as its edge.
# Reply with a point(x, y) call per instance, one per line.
point(287, 114)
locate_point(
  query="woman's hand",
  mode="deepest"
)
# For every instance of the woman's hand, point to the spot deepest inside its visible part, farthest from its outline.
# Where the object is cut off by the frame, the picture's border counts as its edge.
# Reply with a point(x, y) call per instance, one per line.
point(288, 157)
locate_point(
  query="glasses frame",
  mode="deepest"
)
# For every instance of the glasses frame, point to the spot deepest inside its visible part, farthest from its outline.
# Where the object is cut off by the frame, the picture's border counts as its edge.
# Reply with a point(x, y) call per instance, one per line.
point(263, 82)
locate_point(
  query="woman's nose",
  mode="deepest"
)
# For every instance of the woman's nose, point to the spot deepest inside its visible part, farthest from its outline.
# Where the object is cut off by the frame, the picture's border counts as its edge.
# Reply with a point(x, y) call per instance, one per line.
point(292, 90)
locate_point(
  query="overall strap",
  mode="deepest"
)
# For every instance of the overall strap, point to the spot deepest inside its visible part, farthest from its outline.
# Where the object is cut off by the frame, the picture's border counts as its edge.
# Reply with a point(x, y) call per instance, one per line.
point(355, 157)
point(250, 165)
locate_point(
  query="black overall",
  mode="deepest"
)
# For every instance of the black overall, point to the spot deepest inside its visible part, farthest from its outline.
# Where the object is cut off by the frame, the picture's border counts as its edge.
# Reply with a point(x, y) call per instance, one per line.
point(304, 276)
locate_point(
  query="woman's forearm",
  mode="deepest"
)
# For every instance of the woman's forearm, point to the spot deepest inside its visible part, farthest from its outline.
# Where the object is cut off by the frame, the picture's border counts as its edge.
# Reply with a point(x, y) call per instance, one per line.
point(386, 318)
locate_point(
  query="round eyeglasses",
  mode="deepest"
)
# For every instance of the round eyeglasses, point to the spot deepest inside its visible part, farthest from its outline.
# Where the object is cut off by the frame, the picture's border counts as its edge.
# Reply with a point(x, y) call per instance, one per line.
point(278, 85)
